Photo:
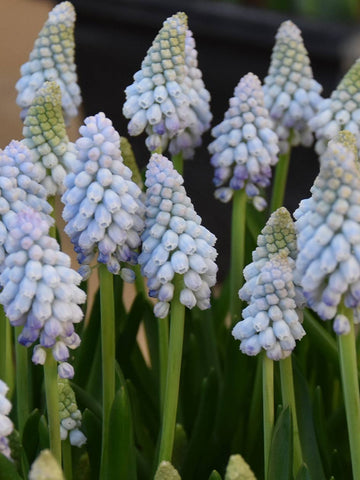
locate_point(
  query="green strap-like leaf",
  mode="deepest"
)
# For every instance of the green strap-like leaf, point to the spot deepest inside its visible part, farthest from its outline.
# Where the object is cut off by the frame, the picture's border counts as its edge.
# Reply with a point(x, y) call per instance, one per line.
point(281, 450)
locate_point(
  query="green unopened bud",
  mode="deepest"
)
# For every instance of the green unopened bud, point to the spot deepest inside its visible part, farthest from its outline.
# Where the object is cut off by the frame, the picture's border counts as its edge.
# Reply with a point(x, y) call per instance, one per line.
point(45, 467)
point(166, 471)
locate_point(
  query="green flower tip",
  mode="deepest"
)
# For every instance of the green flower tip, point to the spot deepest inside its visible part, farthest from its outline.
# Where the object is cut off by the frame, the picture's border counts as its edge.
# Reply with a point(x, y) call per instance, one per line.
point(238, 469)
point(351, 80)
point(346, 138)
point(279, 233)
point(166, 471)
point(45, 467)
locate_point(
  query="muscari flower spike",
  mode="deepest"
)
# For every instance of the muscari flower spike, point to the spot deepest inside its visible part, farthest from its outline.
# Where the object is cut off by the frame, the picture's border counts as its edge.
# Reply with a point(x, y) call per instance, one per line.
point(45, 135)
point(70, 415)
point(339, 112)
point(272, 320)
point(292, 96)
point(40, 289)
point(245, 147)
point(45, 467)
point(52, 59)
point(328, 226)
point(174, 241)
point(103, 207)
point(6, 425)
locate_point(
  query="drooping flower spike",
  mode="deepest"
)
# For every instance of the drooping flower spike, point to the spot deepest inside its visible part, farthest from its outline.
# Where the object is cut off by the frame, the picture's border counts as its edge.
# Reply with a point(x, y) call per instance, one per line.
point(40, 289)
point(45, 135)
point(292, 96)
point(339, 112)
point(174, 241)
point(6, 425)
point(245, 147)
point(272, 320)
point(52, 59)
point(103, 207)
point(167, 98)
point(328, 226)
point(70, 415)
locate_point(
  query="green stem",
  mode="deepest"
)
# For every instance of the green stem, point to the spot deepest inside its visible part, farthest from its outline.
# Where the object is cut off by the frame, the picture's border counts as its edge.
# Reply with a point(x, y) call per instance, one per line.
point(107, 312)
point(268, 407)
point(281, 173)
point(288, 397)
point(6, 352)
point(237, 252)
point(67, 459)
point(139, 281)
point(52, 404)
point(22, 382)
point(350, 385)
point(52, 230)
point(178, 162)
point(177, 321)
point(163, 328)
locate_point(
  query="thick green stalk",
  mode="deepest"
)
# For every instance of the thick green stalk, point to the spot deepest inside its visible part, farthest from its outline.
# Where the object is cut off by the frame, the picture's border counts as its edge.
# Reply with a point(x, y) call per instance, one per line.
point(237, 252)
point(177, 321)
point(350, 385)
point(107, 310)
point(163, 330)
point(7, 370)
point(22, 382)
point(52, 404)
point(268, 407)
point(288, 398)
point(281, 173)
point(178, 162)
point(67, 458)
point(52, 230)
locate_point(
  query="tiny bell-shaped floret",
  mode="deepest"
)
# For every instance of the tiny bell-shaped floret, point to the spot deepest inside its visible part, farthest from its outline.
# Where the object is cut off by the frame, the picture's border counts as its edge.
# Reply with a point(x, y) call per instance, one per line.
point(272, 320)
point(292, 96)
point(6, 425)
point(70, 415)
point(328, 232)
point(46, 137)
point(245, 148)
point(339, 112)
point(174, 241)
point(52, 59)
point(103, 207)
point(40, 290)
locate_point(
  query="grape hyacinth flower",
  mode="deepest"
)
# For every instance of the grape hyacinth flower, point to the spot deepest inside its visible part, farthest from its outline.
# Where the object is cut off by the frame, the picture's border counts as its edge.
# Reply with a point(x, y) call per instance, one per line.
point(174, 241)
point(45, 467)
point(339, 112)
point(70, 415)
point(40, 290)
point(52, 59)
point(6, 425)
point(328, 229)
point(272, 320)
point(245, 147)
point(292, 96)
point(45, 135)
point(103, 207)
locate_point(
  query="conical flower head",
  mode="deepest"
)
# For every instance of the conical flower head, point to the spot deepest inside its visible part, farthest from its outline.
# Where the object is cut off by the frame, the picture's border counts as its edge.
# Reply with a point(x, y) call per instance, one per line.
point(155, 101)
point(199, 116)
point(45, 467)
point(6, 425)
point(292, 96)
point(328, 226)
point(245, 147)
point(339, 112)
point(174, 241)
point(40, 289)
point(103, 207)
point(45, 135)
point(70, 415)
point(52, 59)
point(272, 320)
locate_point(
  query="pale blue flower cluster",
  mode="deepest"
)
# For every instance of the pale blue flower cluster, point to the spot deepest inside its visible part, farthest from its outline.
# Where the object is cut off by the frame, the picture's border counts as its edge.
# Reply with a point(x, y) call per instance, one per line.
point(339, 112)
point(103, 206)
point(6, 425)
point(167, 98)
point(52, 59)
point(70, 415)
point(272, 320)
point(40, 289)
point(174, 241)
point(292, 96)
point(45, 135)
point(245, 147)
point(328, 226)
